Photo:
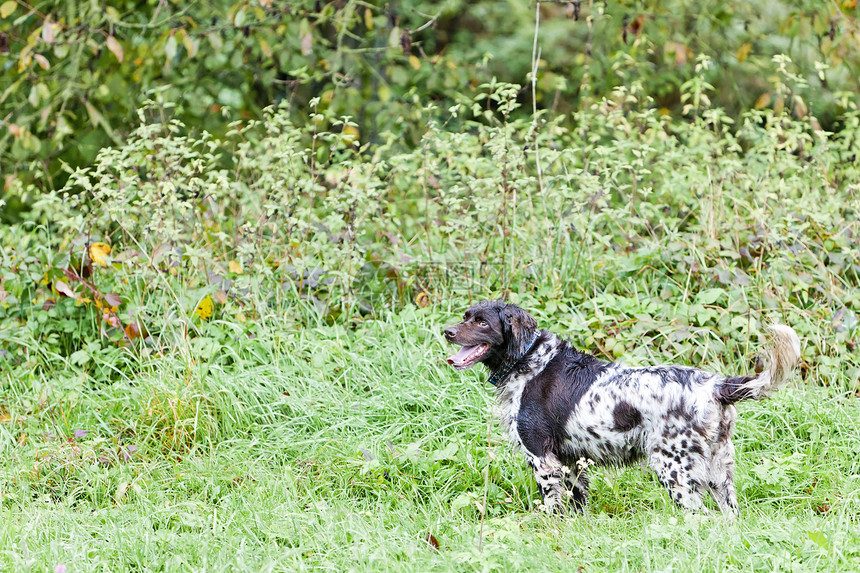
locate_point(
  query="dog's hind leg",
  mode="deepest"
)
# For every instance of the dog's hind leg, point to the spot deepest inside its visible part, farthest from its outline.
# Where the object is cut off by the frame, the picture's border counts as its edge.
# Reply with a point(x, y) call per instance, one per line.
point(721, 482)
point(722, 464)
point(681, 469)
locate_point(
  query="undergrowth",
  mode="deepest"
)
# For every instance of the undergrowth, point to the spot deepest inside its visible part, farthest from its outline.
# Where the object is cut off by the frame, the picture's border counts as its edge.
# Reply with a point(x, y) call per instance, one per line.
point(226, 353)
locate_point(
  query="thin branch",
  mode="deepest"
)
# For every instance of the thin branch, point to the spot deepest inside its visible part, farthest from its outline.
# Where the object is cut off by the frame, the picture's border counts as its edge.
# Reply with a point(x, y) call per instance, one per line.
point(431, 21)
point(535, 63)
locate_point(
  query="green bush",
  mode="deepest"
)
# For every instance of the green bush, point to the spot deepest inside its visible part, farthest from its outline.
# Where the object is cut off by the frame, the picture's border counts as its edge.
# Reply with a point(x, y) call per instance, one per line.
point(74, 74)
point(639, 234)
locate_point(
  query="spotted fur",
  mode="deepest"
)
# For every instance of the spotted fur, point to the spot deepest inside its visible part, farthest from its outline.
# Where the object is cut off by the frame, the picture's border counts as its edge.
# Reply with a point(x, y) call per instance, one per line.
point(560, 406)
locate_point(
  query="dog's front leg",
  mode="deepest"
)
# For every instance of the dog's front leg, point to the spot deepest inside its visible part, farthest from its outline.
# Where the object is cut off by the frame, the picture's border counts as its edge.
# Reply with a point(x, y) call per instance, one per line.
point(550, 474)
point(576, 485)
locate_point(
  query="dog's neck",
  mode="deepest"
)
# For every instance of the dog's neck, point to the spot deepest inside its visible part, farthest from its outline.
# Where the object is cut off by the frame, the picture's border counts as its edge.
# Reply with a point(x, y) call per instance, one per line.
point(500, 373)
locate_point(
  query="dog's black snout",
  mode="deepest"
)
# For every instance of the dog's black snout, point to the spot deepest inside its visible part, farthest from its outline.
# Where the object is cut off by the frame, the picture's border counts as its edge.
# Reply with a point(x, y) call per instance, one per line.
point(450, 332)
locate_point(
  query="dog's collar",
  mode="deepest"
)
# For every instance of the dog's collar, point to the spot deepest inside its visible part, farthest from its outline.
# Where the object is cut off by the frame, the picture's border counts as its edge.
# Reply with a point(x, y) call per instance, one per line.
point(505, 369)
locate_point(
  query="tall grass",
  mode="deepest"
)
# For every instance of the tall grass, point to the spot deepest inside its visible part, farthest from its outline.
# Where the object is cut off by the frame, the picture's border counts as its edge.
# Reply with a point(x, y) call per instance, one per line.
point(252, 378)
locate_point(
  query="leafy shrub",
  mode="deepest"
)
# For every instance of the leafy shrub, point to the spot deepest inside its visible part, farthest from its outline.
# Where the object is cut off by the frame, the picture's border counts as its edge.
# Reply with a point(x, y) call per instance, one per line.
point(75, 73)
point(639, 235)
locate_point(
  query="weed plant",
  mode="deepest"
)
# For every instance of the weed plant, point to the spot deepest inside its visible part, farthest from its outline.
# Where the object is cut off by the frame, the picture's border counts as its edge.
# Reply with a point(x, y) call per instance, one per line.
point(225, 354)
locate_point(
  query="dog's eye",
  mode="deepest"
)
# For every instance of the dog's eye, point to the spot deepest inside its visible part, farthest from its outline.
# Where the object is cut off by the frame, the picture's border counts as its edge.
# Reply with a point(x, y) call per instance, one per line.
point(482, 323)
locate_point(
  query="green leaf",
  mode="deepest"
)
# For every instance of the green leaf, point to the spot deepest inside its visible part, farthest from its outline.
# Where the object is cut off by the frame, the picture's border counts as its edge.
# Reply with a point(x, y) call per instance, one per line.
point(819, 539)
point(412, 452)
point(7, 8)
point(463, 500)
point(239, 19)
point(80, 357)
point(447, 453)
point(709, 296)
point(170, 48)
point(96, 118)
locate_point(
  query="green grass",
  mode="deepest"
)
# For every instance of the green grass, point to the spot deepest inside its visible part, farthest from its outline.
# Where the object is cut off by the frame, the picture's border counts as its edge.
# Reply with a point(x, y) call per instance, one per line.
point(256, 379)
point(344, 450)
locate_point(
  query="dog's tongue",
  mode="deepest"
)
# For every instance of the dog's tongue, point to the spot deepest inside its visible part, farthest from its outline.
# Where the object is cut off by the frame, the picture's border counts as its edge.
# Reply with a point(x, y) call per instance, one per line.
point(459, 359)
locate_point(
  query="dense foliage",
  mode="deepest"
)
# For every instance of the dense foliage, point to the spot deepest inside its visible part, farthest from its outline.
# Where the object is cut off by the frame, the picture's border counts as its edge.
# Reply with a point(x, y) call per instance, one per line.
point(220, 335)
point(74, 74)
point(724, 226)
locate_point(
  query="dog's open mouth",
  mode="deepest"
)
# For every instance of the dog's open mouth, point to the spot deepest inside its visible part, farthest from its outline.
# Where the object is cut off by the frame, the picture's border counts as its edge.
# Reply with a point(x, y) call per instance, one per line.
point(467, 356)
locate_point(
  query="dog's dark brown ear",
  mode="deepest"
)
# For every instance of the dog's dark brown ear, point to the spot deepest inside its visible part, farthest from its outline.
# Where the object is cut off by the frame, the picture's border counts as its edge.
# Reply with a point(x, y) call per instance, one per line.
point(518, 327)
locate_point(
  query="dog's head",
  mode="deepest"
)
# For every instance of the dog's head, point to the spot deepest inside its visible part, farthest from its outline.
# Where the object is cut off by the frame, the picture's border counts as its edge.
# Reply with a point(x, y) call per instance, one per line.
point(492, 332)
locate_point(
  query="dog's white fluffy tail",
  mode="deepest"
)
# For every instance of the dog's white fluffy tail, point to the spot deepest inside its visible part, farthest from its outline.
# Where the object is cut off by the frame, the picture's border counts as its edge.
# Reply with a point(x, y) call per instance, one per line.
point(783, 357)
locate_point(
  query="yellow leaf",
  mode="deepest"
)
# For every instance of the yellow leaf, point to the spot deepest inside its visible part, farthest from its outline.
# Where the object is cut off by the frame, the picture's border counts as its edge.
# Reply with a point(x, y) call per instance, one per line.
point(779, 105)
point(7, 418)
point(115, 48)
point(99, 253)
point(349, 135)
point(7, 8)
point(42, 61)
point(234, 267)
point(422, 299)
point(266, 48)
point(414, 61)
point(762, 101)
point(204, 308)
point(191, 45)
point(800, 109)
point(63, 288)
point(24, 59)
point(132, 331)
point(368, 19)
point(384, 93)
point(48, 31)
point(744, 51)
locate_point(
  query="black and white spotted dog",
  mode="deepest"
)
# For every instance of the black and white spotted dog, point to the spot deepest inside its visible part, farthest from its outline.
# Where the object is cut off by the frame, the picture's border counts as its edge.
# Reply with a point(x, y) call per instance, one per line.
point(560, 406)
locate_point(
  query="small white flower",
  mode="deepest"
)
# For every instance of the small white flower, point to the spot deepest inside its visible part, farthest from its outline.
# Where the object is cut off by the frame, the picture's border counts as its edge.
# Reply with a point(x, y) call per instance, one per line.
point(584, 463)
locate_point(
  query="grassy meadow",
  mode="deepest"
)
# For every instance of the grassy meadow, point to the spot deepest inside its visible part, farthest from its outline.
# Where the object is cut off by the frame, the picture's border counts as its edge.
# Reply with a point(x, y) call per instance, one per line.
point(225, 354)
